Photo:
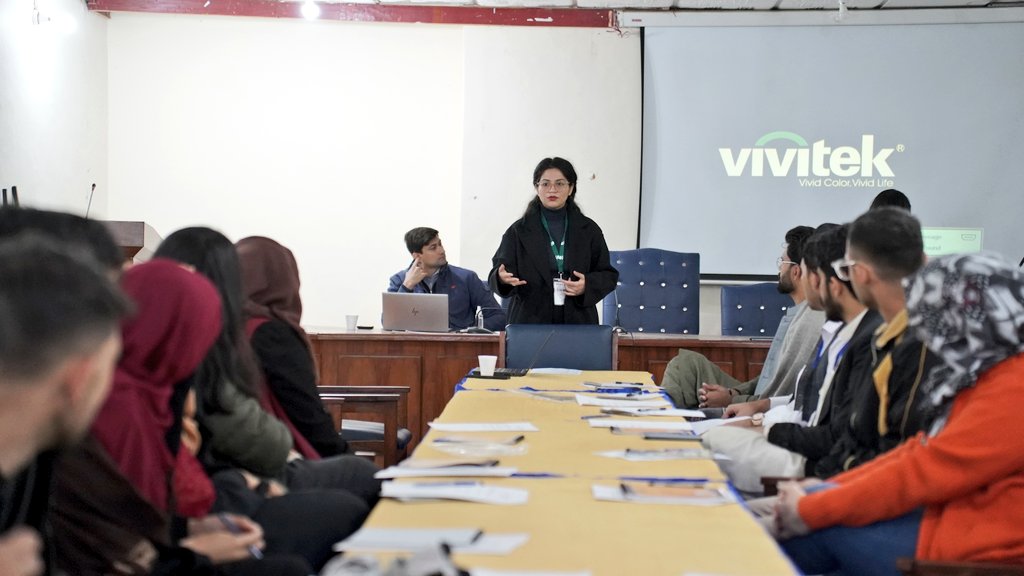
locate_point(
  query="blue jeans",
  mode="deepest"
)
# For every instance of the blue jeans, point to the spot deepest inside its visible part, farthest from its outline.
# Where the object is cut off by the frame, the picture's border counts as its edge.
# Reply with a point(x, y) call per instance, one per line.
point(865, 551)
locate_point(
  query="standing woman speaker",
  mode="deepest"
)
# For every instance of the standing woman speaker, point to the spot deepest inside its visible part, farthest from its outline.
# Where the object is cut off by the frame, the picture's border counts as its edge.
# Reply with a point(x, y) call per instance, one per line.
point(553, 262)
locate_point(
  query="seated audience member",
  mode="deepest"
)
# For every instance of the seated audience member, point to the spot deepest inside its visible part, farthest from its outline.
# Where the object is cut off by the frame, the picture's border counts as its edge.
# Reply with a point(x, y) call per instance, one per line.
point(239, 431)
point(273, 310)
point(884, 246)
point(795, 436)
point(431, 273)
point(891, 197)
point(59, 341)
point(117, 495)
point(693, 381)
point(956, 491)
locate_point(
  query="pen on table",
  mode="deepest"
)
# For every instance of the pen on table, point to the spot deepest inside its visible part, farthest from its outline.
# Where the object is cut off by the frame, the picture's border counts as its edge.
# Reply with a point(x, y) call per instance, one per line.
point(661, 480)
point(234, 529)
point(591, 416)
point(440, 484)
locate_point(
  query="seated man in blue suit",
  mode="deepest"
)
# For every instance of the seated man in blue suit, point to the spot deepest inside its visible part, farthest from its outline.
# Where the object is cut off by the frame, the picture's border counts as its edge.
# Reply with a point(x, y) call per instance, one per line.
point(431, 273)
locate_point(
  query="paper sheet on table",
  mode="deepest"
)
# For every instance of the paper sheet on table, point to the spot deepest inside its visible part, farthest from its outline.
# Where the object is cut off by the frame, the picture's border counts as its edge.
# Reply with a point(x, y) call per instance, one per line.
point(462, 540)
point(659, 455)
point(615, 494)
point(705, 425)
point(495, 544)
point(654, 402)
point(631, 424)
point(446, 471)
point(556, 371)
point(488, 572)
point(465, 491)
point(664, 413)
point(400, 539)
point(483, 426)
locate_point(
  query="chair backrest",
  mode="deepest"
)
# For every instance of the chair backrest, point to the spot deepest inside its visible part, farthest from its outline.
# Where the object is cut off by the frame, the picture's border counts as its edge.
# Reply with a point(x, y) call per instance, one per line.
point(579, 346)
point(658, 291)
point(753, 310)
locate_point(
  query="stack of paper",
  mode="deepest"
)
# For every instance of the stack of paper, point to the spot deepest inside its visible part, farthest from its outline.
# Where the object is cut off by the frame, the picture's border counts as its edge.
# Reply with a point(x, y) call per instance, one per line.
point(464, 491)
point(483, 426)
point(692, 494)
point(463, 540)
point(652, 401)
point(702, 427)
point(480, 447)
point(446, 471)
point(632, 455)
point(634, 424)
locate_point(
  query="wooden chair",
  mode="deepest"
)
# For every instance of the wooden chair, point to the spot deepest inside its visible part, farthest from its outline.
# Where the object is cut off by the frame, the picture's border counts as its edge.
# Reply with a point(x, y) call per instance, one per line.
point(387, 405)
point(912, 567)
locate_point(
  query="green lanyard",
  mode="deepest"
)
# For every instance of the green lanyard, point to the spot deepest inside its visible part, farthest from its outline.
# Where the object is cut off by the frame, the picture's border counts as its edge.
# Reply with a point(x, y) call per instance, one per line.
point(558, 251)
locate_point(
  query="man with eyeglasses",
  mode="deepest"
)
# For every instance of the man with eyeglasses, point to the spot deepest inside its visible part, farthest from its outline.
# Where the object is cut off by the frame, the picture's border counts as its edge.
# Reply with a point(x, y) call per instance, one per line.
point(431, 273)
point(883, 248)
point(800, 430)
point(693, 381)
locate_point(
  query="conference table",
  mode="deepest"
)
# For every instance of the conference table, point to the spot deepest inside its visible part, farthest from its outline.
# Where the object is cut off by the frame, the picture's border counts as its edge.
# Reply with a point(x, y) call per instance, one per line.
point(569, 530)
point(430, 364)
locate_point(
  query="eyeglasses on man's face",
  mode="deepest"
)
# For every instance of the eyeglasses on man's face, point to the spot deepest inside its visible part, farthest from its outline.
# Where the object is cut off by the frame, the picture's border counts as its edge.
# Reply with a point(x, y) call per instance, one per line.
point(842, 268)
point(780, 261)
point(560, 185)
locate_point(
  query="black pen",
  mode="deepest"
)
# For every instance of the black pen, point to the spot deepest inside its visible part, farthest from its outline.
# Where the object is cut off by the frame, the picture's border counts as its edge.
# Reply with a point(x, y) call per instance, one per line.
point(234, 529)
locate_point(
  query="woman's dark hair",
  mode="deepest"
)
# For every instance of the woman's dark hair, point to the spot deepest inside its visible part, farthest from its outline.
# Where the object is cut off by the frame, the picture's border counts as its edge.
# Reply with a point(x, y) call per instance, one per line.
point(565, 167)
point(231, 359)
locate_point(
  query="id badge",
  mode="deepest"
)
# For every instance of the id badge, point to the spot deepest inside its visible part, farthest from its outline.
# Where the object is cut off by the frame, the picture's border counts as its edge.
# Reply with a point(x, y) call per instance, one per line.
point(559, 292)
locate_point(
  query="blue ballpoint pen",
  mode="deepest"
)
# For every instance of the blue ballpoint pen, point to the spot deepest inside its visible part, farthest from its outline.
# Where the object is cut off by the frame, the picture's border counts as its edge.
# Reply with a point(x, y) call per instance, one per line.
point(234, 529)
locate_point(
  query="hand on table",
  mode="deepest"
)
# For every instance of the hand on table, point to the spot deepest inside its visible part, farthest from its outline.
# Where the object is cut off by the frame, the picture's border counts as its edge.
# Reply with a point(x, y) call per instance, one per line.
point(713, 396)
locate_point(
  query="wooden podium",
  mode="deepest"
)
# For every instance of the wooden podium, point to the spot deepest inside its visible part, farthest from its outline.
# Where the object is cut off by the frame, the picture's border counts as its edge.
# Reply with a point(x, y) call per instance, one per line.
point(137, 240)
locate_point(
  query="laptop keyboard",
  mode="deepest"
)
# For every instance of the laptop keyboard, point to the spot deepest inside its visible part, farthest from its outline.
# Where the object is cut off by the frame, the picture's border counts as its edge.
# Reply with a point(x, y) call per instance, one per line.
point(512, 371)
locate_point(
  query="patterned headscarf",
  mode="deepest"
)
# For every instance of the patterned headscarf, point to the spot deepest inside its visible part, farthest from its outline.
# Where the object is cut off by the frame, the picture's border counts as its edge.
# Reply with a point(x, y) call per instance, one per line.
point(968, 309)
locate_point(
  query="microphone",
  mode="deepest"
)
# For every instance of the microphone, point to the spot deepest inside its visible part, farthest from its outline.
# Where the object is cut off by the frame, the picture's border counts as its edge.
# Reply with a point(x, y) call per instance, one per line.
point(14, 196)
point(617, 328)
point(89, 205)
point(536, 355)
point(479, 328)
point(5, 197)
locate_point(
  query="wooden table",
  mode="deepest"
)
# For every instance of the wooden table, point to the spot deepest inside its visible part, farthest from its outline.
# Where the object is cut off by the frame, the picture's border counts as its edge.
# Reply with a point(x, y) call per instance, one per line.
point(570, 530)
point(430, 364)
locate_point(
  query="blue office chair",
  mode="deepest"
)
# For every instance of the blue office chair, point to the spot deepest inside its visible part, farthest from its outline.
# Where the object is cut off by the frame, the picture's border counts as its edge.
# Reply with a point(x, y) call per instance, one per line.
point(579, 346)
point(753, 310)
point(658, 291)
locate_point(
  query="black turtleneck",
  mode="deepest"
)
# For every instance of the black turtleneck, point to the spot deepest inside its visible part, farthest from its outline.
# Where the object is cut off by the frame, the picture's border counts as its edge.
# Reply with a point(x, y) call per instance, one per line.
point(556, 222)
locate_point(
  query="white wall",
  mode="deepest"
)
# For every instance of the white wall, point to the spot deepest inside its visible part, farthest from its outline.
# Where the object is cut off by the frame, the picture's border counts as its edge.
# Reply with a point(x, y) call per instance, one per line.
point(53, 104)
point(538, 92)
point(336, 138)
point(331, 138)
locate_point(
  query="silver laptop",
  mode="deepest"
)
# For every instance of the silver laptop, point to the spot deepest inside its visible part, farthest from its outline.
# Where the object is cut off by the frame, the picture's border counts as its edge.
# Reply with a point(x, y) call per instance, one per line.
point(412, 311)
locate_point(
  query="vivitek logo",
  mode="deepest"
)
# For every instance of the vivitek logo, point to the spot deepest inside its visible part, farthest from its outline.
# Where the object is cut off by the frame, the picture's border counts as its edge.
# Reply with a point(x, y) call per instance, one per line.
point(815, 159)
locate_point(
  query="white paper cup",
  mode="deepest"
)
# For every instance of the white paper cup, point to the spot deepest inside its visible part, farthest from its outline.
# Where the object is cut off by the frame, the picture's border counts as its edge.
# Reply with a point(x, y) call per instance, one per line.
point(351, 321)
point(487, 364)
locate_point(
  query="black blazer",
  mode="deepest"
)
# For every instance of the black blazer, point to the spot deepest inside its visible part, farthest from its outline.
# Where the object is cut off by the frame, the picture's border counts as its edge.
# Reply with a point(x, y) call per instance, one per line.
point(815, 442)
point(860, 441)
point(525, 251)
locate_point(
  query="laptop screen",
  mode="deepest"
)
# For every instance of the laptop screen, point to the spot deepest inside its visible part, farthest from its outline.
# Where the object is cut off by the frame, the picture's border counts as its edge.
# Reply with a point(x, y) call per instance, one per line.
point(413, 311)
